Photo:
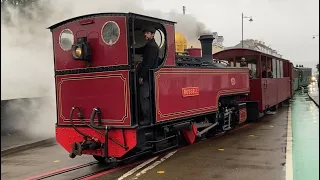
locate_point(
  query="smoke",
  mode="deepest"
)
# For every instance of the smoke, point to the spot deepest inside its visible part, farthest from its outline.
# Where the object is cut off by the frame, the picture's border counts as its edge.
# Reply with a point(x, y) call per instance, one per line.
point(190, 27)
point(27, 57)
point(27, 71)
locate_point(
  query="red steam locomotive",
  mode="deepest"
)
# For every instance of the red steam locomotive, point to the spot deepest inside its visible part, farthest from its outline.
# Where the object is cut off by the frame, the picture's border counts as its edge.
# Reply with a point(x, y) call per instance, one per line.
point(96, 88)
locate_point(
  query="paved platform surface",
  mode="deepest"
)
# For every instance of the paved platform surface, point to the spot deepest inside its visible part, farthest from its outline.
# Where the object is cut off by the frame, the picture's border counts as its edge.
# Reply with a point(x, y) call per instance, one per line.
point(16, 139)
point(39, 160)
point(11, 143)
point(256, 151)
point(314, 93)
point(305, 128)
point(253, 152)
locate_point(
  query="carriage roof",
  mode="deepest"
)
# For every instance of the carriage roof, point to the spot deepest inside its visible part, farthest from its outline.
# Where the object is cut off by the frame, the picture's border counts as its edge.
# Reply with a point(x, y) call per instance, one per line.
point(130, 14)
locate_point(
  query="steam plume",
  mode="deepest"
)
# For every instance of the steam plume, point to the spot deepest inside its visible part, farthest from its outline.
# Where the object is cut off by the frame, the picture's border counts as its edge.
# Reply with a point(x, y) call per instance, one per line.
point(27, 57)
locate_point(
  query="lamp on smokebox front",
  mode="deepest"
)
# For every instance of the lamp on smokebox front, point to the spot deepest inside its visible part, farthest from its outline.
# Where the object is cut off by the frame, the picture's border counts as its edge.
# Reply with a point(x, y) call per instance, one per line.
point(82, 50)
point(78, 52)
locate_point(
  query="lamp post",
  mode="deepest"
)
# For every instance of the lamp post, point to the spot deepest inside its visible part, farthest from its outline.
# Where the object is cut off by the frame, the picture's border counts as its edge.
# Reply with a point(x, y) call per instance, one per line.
point(243, 17)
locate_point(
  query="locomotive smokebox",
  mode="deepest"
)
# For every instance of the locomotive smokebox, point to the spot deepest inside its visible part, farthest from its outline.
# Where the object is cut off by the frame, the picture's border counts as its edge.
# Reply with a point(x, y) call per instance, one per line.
point(206, 46)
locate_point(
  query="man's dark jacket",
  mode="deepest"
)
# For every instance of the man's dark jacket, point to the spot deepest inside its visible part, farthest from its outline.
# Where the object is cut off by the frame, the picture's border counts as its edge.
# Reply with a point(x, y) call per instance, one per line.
point(150, 59)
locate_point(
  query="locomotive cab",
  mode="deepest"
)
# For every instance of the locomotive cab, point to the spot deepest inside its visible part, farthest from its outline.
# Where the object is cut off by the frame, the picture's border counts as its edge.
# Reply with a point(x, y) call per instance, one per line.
point(136, 34)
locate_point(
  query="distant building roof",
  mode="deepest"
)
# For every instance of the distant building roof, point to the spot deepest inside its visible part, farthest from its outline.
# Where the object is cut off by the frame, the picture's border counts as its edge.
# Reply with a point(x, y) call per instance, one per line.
point(256, 45)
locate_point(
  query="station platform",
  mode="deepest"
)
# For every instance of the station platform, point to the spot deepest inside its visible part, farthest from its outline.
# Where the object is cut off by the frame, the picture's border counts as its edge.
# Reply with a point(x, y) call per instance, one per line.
point(313, 93)
point(280, 146)
point(283, 146)
point(305, 128)
point(253, 151)
point(17, 141)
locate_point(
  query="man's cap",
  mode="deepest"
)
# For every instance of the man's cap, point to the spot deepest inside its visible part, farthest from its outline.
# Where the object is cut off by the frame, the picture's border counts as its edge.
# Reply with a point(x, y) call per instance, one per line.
point(149, 29)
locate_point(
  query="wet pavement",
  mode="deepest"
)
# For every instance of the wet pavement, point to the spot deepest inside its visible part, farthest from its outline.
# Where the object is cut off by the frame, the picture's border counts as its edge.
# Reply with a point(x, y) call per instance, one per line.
point(305, 128)
point(36, 161)
point(253, 152)
point(16, 140)
point(314, 92)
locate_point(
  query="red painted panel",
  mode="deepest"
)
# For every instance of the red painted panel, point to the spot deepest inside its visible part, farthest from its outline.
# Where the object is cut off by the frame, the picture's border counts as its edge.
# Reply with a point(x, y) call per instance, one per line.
point(194, 52)
point(67, 135)
point(126, 137)
point(271, 92)
point(291, 69)
point(278, 90)
point(243, 115)
point(256, 92)
point(102, 54)
point(170, 61)
point(212, 83)
point(190, 135)
point(275, 91)
point(107, 90)
point(284, 88)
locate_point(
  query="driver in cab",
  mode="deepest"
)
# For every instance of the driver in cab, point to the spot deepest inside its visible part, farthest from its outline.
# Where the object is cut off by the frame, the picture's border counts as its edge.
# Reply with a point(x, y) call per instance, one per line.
point(150, 53)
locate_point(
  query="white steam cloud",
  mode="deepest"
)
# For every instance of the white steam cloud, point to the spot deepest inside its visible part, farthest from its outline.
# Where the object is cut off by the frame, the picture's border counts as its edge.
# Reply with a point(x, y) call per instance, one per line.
point(27, 57)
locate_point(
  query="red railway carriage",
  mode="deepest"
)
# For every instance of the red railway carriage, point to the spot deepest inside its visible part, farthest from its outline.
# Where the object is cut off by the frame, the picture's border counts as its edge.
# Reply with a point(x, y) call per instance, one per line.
point(96, 88)
point(267, 90)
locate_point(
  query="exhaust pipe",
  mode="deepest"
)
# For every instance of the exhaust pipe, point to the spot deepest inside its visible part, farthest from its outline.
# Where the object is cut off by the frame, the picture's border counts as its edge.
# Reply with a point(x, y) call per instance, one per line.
point(206, 47)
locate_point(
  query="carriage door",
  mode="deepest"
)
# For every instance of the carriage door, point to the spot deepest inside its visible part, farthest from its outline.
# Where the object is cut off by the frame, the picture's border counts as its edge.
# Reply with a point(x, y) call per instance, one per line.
point(291, 71)
point(264, 80)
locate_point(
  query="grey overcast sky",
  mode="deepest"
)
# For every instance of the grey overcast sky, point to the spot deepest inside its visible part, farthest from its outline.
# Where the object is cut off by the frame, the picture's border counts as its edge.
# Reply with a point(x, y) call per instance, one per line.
point(285, 25)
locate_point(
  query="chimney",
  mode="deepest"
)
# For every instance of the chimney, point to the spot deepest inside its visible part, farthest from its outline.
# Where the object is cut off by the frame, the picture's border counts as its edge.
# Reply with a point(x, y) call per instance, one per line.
point(206, 46)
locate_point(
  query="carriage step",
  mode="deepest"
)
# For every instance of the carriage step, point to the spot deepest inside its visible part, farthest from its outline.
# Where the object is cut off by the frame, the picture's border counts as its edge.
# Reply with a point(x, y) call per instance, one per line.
point(226, 128)
point(227, 121)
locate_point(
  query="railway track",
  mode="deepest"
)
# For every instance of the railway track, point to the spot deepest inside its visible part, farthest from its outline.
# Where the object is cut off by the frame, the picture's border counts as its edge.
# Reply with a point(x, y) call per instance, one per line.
point(61, 171)
point(100, 169)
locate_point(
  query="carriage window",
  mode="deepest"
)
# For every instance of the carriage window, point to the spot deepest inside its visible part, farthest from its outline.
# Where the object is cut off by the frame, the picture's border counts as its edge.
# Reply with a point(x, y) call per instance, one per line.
point(110, 33)
point(138, 39)
point(281, 69)
point(66, 39)
point(237, 64)
point(274, 68)
point(254, 70)
point(159, 38)
point(278, 68)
